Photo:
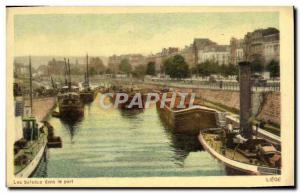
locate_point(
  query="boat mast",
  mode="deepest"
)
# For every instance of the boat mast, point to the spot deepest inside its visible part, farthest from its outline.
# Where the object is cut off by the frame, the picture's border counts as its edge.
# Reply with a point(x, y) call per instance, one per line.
point(69, 71)
point(87, 69)
point(66, 72)
point(53, 83)
point(30, 86)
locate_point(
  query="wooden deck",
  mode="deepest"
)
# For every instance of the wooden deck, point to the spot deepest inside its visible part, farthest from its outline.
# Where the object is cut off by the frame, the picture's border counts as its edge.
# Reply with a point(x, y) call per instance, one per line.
point(229, 153)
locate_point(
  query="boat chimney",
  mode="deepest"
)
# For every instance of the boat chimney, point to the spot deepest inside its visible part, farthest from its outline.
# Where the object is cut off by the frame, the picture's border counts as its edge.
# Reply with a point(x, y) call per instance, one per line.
point(245, 99)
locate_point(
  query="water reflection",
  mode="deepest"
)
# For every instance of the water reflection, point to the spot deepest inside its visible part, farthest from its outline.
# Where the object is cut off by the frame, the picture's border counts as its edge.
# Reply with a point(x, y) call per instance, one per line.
point(121, 143)
point(43, 166)
point(89, 106)
point(72, 127)
point(182, 143)
point(130, 114)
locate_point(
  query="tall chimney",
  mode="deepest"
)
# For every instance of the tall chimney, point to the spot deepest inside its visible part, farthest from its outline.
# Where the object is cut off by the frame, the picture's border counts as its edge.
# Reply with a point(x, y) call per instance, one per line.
point(245, 99)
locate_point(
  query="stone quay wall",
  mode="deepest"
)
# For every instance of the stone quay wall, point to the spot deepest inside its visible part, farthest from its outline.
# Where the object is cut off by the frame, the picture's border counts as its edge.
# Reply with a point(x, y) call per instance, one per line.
point(42, 107)
point(270, 111)
point(265, 105)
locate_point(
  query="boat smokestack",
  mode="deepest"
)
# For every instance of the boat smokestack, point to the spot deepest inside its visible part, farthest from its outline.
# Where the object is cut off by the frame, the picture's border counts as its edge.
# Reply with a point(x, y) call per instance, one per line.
point(245, 99)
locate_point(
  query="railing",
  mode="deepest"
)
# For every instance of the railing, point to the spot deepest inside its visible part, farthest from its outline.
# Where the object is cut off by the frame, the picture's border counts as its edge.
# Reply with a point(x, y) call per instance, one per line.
point(206, 84)
point(219, 85)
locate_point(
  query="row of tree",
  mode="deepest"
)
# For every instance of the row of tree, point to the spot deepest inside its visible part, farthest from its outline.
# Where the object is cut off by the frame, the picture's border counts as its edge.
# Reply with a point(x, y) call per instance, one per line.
point(177, 67)
point(257, 65)
point(207, 68)
point(137, 72)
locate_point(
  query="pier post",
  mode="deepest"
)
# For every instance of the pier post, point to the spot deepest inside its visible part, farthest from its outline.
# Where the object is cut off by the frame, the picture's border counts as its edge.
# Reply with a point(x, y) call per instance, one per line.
point(245, 99)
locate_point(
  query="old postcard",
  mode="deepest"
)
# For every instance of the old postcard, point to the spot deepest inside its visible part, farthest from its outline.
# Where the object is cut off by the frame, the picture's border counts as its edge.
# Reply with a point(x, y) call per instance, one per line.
point(150, 97)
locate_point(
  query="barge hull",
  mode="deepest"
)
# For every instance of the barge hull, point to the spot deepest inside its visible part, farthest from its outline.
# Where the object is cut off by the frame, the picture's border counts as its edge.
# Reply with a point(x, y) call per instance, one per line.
point(87, 97)
point(235, 165)
point(190, 120)
point(71, 112)
point(31, 167)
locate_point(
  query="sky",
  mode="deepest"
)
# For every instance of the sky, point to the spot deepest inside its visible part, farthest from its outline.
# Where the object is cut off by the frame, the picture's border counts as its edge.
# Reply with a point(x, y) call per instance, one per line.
point(145, 33)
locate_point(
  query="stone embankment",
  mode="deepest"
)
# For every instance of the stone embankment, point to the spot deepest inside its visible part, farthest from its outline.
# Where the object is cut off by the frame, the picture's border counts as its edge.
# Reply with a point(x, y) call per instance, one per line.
point(265, 105)
point(42, 107)
point(270, 111)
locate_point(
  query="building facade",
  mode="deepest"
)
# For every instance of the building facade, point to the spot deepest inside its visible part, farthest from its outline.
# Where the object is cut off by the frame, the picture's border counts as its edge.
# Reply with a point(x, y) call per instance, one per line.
point(236, 50)
point(20, 70)
point(134, 59)
point(271, 47)
point(262, 45)
point(160, 57)
point(56, 66)
point(169, 51)
point(113, 63)
point(199, 45)
point(157, 60)
point(216, 53)
point(189, 56)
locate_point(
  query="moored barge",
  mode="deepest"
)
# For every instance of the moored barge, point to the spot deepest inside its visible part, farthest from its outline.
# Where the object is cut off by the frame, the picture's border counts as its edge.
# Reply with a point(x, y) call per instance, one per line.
point(239, 148)
point(136, 98)
point(70, 105)
point(29, 150)
point(248, 156)
point(187, 119)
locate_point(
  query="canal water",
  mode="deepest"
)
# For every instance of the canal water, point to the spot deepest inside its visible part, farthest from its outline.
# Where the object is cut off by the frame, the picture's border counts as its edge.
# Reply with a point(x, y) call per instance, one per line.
point(116, 143)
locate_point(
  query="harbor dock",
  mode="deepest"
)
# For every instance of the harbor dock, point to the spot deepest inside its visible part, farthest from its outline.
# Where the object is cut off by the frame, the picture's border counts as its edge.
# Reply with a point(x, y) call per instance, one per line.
point(42, 107)
point(31, 143)
point(181, 125)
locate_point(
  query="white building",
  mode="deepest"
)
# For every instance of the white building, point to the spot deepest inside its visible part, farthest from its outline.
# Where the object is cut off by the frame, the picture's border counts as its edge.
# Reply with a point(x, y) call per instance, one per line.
point(237, 50)
point(262, 45)
point(271, 48)
point(239, 55)
point(218, 53)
